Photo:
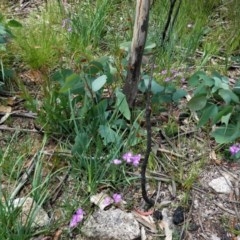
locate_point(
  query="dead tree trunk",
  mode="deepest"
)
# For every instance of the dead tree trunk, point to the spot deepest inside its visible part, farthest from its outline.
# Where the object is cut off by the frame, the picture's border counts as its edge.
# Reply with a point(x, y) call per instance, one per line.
point(130, 87)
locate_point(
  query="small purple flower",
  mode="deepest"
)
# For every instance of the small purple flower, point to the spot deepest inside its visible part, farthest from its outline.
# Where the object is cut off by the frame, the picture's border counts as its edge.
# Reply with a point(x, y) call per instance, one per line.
point(76, 218)
point(108, 201)
point(116, 161)
point(174, 71)
point(234, 149)
point(163, 72)
point(136, 160)
point(117, 197)
point(168, 79)
point(127, 157)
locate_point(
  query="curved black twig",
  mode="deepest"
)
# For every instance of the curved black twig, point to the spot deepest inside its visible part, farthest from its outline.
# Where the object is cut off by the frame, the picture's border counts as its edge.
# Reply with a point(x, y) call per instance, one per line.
point(149, 201)
point(174, 18)
point(170, 13)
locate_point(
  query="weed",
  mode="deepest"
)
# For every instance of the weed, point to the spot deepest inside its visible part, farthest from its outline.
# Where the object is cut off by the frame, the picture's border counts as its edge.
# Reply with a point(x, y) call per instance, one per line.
point(41, 40)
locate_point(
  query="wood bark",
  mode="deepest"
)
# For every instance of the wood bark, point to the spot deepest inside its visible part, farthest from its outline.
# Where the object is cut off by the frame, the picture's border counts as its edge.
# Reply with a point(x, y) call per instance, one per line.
point(130, 87)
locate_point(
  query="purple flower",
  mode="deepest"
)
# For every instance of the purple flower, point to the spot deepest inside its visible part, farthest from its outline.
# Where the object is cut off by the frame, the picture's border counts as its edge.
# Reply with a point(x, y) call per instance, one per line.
point(108, 201)
point(168, 79)
point(117, 197)
point(234, 149)
point(132, 159)
point(76, 218)
point(116, 161)
point(174, 71)
point(127, 157)
point(164, 72)
point(136, 160)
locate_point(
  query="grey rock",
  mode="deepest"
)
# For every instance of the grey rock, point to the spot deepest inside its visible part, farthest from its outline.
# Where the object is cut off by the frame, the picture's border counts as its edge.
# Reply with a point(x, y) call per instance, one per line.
point(221, 185)
point(113, 224)
point(30, 211)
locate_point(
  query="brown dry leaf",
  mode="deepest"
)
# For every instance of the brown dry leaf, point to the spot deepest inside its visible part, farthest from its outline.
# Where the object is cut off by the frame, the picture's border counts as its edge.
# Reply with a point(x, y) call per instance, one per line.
point(5, 109)
point(7, 112)
point(11, 101)
point(102, 200)
point(213, 157)
point(146, 221)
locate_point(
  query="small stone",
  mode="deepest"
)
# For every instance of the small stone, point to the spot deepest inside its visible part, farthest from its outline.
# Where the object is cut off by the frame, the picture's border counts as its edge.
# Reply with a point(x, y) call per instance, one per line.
point(215, 237)
point(178, 215)
point(111, 224)
point(157, 215)
point(221, 185)
point(30, 210)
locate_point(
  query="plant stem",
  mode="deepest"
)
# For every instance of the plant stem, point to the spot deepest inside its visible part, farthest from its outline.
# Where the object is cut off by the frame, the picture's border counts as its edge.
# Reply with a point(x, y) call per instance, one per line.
point(149, 201)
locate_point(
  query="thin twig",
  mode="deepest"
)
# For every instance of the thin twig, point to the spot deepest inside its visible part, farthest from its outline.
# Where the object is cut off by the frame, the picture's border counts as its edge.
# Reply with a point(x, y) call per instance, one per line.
point(170, 13)
point(6, 128)
point(24, 178)
point(149, 201)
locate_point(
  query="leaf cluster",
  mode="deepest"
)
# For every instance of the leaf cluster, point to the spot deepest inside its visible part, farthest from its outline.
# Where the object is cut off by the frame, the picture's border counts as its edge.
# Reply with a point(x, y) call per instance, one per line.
point(99, 112)
point(217, 103)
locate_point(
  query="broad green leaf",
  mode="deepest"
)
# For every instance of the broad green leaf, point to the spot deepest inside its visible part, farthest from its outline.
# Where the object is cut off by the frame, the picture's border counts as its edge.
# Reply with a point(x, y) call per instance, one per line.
point(122, 104)
point(108, 135)
point(125, 46)
point(226, 134)
point(155, 87)
point(222, 112)
point(236, 88)
point(207, 114)
point(61, 75)
point(198, 78)
point(219, 84)
point(180, 93)
point(149, 47)
point(93, 68)
point(98, 83)
point(70, 83)
point(228, 96)
point(81, 143)
point(225, 119)
point(198, 102)
point(14, 23)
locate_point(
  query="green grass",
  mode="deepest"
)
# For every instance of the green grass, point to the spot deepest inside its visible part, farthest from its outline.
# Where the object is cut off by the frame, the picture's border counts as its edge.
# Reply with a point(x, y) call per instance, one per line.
point(41, 40)
point(59, 37)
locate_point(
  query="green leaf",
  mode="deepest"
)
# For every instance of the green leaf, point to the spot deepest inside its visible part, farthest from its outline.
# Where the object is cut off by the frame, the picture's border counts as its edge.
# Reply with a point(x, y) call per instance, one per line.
point(125, 46)
point(219, 83)
point(155, 87)
point(122, 104)
point(226, 134)
point(149, 47)
point(180, 93)
point(98, 83)
point(93, 68)
point(70, 82)
point(225, 119)
point(228, 96)
point(81, 143)
point(108, 135)
point(200, 77)
point(14, 23)
point(198, 102)
point(224, 111)
point(236, 88)
point(207, 114)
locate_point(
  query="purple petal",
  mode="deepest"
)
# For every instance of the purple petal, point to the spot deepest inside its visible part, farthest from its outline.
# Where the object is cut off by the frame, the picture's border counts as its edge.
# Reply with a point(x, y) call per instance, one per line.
point(116, 161)
point(117, 198)
point(76, 218)
point(127, 157)
point(107, 201)
point(167, 79)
